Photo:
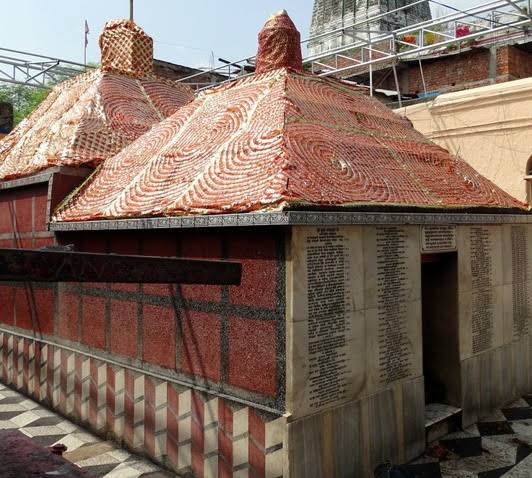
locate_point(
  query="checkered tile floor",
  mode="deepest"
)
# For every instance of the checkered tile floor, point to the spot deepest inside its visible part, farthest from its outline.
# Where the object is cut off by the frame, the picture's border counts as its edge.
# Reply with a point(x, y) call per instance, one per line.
point(96, 457)
point(499, 446)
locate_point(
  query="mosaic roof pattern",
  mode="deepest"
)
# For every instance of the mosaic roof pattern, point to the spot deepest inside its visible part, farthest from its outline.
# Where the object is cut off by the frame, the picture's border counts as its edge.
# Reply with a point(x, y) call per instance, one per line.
point(278, 138)
point(91, 117)
point(126, 49)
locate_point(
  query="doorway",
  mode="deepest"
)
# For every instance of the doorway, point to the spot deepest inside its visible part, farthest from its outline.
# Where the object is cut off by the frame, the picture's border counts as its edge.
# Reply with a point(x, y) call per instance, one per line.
point(441, 353)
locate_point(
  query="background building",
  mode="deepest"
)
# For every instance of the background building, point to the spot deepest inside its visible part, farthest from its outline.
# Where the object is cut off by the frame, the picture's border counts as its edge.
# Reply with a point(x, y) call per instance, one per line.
point(330, 15)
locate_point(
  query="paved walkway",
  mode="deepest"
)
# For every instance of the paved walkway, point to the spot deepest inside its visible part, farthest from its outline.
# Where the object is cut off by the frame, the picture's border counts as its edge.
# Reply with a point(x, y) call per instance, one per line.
point(94, 456)
point(499, 446)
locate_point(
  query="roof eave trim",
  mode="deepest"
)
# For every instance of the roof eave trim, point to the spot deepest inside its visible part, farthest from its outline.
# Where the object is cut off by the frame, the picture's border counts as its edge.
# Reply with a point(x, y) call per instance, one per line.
point(291, 218)
point(41, 177)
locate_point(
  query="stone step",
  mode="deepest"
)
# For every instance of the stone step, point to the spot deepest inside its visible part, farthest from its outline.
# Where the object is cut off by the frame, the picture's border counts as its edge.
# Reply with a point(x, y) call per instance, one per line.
point(440, 420)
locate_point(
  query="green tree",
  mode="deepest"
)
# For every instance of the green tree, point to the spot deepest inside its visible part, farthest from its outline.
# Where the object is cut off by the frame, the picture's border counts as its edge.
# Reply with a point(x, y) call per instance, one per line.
point(23, 98)
point(26, 98)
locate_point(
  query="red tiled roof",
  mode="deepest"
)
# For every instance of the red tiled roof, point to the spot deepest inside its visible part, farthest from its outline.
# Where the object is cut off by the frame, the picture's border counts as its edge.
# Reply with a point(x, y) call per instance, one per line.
point(93, 116)
point(278, 138)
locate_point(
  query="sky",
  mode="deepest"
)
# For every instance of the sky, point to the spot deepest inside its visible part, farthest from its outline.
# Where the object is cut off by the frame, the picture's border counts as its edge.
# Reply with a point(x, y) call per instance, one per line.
point(185, 32)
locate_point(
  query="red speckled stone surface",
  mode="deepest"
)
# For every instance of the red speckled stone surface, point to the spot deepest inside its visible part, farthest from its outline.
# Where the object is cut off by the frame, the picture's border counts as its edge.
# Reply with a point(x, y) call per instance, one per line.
point(259, 272)
point(23, 307)
point(159, 335)
point(93, 321)
point(68, 315)
point(189, 329)
point(123, 338)
point(201, 349)
point(44, 310)
point(7, 305)
point(252, 355)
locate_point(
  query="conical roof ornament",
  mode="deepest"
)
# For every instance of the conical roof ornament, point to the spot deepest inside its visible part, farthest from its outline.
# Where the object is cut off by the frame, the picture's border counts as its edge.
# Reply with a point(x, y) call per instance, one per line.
point(279, 45)
point(126, 49)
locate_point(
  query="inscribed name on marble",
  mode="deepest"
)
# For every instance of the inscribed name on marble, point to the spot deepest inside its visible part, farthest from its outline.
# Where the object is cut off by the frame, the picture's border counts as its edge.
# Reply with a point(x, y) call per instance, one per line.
point(394, 351)
point(329, 309)
point(438, 238)
point(520, 301)
point(482, 302)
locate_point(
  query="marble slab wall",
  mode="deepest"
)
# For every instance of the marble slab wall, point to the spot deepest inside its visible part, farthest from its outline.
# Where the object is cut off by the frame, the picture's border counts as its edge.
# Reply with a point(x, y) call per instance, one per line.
point(354, 314)
point(495, 273)
point(355, 387)
point(353, 438)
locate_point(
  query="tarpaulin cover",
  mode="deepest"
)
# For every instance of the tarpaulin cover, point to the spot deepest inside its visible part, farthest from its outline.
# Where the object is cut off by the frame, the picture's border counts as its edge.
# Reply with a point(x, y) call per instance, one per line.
point(96, 114)
point(277, 138)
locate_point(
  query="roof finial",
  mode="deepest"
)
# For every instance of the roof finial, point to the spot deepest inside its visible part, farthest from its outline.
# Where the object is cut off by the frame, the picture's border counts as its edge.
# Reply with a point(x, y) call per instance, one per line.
point(126, 49)
point(279, 44)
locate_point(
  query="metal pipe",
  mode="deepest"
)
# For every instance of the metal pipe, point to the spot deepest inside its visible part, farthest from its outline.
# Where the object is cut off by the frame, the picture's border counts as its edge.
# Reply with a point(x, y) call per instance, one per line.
point(422, 75)
point(42, 56)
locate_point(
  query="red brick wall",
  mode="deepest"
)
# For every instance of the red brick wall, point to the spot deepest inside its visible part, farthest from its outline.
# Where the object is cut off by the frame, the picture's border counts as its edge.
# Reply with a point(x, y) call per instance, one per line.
point(450, 72)
point(470, 69)
point(513, 63)
point(230, 337)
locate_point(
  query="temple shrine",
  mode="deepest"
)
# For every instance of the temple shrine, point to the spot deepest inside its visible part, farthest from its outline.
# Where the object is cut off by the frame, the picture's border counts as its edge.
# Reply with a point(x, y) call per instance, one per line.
point(382, 279)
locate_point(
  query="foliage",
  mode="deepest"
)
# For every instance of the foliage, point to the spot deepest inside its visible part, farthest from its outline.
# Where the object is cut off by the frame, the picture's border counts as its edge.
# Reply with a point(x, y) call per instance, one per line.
point(24, 99)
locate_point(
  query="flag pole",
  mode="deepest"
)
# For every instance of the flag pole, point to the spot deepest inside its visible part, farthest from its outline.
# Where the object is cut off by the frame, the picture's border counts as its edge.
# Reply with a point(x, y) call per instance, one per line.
point(131, 10)
point(86, 30)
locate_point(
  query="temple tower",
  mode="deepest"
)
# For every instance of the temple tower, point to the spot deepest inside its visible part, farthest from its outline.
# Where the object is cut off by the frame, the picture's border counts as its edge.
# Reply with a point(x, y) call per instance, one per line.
point(329, 15)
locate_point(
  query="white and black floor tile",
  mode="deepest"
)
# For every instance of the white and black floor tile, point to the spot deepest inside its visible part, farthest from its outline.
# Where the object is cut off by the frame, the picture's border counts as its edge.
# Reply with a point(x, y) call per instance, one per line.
point(499, 446)
point(95, 457)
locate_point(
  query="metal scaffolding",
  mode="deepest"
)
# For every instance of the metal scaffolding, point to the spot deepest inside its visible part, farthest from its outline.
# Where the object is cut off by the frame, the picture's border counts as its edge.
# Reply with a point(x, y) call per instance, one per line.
point(487, 23)
point(30, 69)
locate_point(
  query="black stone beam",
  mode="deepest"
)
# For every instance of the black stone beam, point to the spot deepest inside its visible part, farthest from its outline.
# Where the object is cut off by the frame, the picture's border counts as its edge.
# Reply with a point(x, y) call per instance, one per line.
point(68, 266)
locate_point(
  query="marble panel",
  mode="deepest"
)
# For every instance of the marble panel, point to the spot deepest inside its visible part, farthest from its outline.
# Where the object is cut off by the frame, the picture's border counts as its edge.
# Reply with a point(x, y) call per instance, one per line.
point(325, 250)
point(520, 361)
point(309, 389)
point(517, 240)
point(330, 441)
point(508, 375)
point(387, 248)
point(470, 390)
point(464, 324)
point(413, 402)
point(481, 320)
point(507, 310)
point(490, 366)
point(464, 258)
point(479, 245)
point(387, 362)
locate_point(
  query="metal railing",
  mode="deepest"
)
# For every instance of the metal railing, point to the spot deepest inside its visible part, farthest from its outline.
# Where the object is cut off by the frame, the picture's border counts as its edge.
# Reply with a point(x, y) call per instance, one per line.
point(30, 69)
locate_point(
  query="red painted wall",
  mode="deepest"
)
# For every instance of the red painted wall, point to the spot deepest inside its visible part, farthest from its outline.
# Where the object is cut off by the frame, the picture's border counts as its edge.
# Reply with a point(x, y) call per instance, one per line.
point(230, 338)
